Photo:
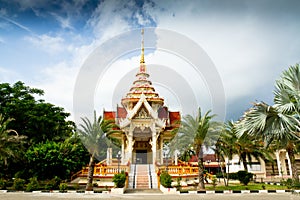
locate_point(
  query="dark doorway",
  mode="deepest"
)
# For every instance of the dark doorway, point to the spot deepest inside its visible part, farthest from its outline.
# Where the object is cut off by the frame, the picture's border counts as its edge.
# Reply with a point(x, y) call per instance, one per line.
point(141, 156)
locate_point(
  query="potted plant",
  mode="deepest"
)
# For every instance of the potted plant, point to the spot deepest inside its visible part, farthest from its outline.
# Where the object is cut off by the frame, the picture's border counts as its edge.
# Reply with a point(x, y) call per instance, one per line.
point(119, 181)
point(165, 183)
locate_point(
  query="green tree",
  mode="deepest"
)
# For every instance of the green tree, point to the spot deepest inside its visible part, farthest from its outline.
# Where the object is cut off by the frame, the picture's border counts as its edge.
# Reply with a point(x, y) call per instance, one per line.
point(95, 136)
point(278, 124)
point(274, 127)
point(248, 147)
point(10, 141)
point(36, 119)
point(51, 158)
point(200, 130)
point(224, 147)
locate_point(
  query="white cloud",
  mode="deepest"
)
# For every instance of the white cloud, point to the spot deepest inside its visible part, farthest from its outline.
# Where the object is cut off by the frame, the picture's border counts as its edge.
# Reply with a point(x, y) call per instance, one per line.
point(58, 83)
point(2, 40)
point(50, 44)
point(11, 21)
point(249, 49)
point(8, 76)
point(65, 22)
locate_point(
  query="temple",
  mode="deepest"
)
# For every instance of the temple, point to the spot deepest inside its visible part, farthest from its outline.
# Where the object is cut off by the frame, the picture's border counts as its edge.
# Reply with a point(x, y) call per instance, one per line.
point(145, 125)
point(145, 122)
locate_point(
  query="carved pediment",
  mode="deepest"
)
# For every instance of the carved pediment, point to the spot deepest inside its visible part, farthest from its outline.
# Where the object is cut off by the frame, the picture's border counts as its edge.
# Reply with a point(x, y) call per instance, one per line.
point(142, 114)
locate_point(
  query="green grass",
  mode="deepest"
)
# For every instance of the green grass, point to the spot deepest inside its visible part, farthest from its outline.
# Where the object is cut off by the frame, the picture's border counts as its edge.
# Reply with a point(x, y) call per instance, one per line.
point(250, 186)
point(237, 186)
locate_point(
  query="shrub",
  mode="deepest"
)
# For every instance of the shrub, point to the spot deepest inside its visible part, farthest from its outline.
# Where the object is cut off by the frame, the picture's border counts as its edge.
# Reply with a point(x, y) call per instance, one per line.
point(32, 185)
point(165, 179)
point(63, 187)
point(219, 175)
point(233, 176)
point(289, 183)
point(53, 184)
point(178, 186)
point(296, 185)
point(214, 181)
point(119, 179)
point(2, 184)
point(244, 177)
point(19, 184)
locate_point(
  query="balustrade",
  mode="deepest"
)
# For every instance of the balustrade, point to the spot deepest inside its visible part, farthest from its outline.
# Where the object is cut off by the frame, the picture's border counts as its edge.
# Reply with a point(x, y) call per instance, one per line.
point(180, 170)
point(101, 170)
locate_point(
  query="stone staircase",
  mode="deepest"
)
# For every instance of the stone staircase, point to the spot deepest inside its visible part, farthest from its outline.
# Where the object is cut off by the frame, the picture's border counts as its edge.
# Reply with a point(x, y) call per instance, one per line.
point(142, 177)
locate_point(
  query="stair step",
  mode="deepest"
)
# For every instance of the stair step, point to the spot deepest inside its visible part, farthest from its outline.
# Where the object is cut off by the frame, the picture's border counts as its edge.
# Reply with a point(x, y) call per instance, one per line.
point(143, 191)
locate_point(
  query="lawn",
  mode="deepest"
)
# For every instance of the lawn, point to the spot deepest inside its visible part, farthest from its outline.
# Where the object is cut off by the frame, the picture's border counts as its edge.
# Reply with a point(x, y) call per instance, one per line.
point(238, 186)
point(250, 186)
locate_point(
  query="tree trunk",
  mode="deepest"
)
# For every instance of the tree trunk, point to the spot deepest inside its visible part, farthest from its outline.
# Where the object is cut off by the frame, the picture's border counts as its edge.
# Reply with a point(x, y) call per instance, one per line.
point(228, 173)
point(224, 177)
point(244, 160)
point(89, 184)
point(201, 171)
point(290, 150)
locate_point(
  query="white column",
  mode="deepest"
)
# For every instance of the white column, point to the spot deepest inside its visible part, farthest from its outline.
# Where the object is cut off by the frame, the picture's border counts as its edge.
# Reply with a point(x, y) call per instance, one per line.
point(289, 163)
point(109, 156)
point(278, 162)
point(263, 166)
point(176, 158)
point(130, 144)
point(161, 144)
point(283, 164)
point(154, 141)
point(123, 150)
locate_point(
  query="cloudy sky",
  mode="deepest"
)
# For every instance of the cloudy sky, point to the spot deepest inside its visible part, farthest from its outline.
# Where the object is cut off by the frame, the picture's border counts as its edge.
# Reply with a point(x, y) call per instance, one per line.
point(247, 44)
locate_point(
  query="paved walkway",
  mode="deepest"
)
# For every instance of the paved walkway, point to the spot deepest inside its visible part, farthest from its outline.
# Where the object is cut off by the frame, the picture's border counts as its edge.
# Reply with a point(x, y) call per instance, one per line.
point(75, 196)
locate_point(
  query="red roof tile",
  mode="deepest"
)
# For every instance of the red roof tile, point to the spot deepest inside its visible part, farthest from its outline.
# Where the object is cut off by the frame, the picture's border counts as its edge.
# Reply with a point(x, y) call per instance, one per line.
point(174, 118)
point(109, 115)
point(121, 112)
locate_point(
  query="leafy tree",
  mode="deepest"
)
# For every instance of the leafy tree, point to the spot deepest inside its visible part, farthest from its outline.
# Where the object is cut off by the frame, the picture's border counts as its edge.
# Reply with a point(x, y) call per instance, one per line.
point(61, 159)
point(36, 119)
point(95, 136)
point(200, 131)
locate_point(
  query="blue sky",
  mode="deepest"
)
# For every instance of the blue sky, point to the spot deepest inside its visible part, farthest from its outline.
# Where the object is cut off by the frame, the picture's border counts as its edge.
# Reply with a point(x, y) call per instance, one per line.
point(45, 43)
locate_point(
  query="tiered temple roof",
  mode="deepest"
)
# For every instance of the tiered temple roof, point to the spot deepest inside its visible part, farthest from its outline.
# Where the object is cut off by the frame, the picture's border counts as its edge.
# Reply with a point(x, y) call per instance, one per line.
point(143, 86)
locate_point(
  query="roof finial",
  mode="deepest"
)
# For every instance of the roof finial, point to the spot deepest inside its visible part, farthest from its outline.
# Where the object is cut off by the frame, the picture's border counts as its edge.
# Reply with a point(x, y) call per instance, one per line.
point(142, 53)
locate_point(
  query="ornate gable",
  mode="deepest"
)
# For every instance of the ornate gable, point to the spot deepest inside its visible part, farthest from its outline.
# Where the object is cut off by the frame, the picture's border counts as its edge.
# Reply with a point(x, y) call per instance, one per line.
point(142, 114)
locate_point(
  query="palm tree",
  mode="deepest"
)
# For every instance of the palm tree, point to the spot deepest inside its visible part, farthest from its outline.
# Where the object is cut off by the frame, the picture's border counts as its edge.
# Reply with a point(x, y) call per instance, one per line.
point(287, 102)
point(95, 136)
point(224, 147)
point(9, 143)
point(248, 147)
point(197, 130)
point(279, 123)
point(273, 126)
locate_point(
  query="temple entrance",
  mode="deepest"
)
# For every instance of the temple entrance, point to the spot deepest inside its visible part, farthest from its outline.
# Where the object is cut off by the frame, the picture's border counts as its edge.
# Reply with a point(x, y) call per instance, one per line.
point(141, 156)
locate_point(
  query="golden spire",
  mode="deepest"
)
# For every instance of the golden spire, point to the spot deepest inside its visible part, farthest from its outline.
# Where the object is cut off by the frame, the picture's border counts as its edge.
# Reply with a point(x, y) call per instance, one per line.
point(142, 53)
